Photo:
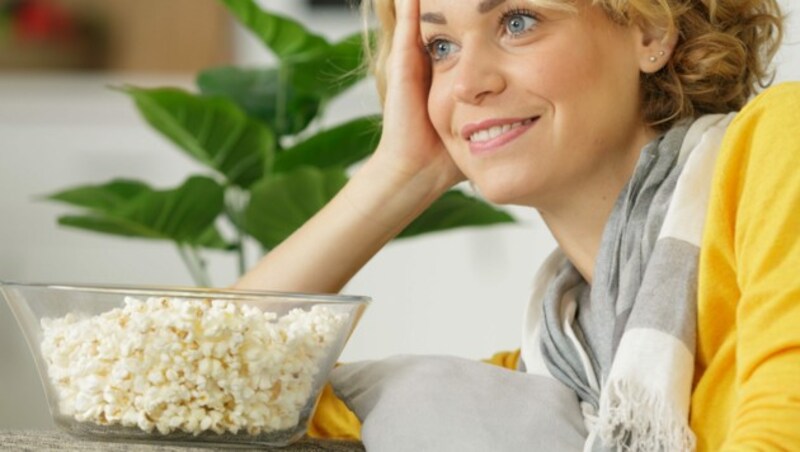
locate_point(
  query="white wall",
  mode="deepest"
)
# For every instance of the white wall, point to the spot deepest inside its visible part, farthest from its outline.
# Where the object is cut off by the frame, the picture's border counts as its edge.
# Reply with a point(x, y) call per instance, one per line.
point(460, 292)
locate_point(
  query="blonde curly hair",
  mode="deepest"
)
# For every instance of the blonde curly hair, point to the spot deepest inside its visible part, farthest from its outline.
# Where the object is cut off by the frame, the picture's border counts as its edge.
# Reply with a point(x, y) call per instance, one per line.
point(722, 57)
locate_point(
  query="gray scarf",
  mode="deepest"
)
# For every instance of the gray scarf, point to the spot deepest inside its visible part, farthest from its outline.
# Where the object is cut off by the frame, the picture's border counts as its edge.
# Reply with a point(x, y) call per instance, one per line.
point(626, 344)
point(610, 305)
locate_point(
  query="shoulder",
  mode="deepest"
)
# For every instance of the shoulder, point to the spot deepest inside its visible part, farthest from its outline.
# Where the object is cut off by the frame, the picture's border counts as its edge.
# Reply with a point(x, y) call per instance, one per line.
point(785, 94)
point(756, 168)
point(767, 130)
point(779, 104)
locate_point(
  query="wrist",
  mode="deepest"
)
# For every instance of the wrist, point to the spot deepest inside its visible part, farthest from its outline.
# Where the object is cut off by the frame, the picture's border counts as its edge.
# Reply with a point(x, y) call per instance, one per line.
point(410, 178)
point(390, 196)
point(407, 183)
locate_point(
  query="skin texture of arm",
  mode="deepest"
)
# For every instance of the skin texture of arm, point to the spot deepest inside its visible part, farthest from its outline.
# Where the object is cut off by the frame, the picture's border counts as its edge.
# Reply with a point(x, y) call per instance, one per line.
point(329, 249)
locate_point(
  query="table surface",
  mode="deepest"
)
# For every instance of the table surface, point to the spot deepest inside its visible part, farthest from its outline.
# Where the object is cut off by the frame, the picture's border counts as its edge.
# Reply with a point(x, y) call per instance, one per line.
point(45, 440)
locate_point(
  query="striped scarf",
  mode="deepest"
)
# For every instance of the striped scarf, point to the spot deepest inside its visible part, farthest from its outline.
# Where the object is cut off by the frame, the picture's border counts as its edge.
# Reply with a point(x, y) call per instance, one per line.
point(626, 343)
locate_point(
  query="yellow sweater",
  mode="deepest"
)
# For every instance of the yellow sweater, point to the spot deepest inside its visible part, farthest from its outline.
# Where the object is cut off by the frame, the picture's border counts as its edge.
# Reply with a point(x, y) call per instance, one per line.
point(747, 384)
point(747, 376)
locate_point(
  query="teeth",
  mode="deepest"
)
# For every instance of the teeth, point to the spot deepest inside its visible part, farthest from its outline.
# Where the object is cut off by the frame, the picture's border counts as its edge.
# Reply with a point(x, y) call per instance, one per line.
point(494, 132)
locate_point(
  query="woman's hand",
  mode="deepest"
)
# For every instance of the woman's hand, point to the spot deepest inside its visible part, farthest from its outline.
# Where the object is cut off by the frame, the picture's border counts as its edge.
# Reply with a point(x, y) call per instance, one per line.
point(410, 144)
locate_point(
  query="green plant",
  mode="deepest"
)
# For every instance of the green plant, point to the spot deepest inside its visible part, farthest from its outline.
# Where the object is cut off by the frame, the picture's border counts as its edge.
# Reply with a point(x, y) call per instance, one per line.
point(250, 127)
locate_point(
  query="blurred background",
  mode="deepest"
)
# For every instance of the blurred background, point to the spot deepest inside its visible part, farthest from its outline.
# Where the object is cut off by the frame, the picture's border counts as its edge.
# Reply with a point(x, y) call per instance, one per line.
point(461, 292)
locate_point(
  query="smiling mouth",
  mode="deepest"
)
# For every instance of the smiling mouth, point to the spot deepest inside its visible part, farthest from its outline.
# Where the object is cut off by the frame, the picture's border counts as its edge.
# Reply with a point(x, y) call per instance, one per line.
point(493, 132)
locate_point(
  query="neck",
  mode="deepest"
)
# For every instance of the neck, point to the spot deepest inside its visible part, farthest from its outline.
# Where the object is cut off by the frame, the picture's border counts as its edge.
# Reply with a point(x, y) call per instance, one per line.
point(578, 219)
point(579, 230)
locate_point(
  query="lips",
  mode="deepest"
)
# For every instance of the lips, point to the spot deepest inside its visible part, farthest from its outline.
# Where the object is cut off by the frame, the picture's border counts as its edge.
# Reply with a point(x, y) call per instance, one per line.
point(492, 128)
point(494, 133)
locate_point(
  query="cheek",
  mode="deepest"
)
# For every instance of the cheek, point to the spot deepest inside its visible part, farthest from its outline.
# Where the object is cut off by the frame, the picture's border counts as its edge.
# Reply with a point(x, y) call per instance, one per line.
point(440, 108)
point(579, 85)
point(566, 75)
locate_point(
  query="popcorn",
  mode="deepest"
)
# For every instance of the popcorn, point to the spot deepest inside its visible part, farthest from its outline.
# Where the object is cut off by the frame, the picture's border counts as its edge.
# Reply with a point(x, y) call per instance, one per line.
point(170, 364)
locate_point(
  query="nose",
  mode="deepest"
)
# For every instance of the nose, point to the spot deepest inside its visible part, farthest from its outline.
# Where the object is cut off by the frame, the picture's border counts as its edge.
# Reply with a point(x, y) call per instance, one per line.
point(478, 75)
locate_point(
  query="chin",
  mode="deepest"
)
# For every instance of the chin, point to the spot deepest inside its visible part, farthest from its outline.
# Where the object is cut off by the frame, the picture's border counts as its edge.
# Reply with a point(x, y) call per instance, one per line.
point(499, 194)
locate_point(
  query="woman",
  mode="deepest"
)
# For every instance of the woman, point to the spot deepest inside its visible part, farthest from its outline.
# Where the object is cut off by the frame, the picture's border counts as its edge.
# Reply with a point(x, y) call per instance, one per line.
point(669, 317)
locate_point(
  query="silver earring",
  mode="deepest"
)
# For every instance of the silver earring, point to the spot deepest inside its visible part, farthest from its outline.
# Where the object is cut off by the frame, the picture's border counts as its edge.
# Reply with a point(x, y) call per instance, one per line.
point(653, 58)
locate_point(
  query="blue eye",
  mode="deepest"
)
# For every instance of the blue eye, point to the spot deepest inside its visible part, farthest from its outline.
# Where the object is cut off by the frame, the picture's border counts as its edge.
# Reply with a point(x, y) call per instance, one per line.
point(439, 49)
point(518, 23)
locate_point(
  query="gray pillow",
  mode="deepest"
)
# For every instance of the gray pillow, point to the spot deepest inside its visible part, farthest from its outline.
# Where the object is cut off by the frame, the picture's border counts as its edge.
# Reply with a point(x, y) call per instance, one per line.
point(439, 403)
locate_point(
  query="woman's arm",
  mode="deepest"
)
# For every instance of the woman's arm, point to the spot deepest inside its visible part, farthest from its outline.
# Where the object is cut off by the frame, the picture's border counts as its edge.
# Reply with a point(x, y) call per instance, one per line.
point(408, 171)
point(332, 246)
point(766, 253)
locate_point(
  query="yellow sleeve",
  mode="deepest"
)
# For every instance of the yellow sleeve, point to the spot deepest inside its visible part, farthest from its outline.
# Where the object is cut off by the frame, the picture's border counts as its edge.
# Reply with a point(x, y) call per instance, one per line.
point(508, 360)
point(764, 205)
point(333, 420)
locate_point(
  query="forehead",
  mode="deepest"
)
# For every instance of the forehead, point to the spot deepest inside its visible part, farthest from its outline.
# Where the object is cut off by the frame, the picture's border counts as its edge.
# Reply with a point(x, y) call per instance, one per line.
point(477, 5)
point(484, 6)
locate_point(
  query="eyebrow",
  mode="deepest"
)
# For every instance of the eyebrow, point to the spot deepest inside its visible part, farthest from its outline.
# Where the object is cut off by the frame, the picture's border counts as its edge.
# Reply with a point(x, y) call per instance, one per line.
point(433, 18)
point(438, 18)
point(487, 5)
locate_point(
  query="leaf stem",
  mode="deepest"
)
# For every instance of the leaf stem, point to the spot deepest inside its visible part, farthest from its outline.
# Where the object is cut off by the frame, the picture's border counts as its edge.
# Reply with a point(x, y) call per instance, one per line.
point(281, 99)
point(236, 200)
point(195, 263)
point(242, 264)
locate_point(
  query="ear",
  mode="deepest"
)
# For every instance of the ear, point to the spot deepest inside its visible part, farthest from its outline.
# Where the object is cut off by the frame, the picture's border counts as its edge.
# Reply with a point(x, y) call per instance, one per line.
point(654, 46)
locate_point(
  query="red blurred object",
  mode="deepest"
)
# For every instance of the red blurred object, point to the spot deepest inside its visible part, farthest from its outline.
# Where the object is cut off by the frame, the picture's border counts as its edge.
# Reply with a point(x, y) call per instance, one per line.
point(42, 20)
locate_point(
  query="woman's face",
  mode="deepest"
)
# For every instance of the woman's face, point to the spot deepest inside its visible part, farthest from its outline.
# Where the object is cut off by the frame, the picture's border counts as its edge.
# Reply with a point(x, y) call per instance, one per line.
point(534, 105)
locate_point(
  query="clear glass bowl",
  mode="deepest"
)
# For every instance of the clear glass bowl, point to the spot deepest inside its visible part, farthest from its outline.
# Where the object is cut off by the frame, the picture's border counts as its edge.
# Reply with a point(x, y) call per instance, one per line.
point(122, 364)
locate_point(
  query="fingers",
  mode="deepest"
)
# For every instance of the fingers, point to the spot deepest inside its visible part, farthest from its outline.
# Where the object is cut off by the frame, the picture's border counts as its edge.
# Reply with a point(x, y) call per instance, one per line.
point(407, 31)
point(408, 59)
point(407, 13)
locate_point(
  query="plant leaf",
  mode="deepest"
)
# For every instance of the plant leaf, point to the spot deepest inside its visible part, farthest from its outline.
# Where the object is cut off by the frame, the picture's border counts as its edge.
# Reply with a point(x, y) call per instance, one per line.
point(287, 38)
point(213, 130)
point(280, 204)
point(340, 146)
point(185, 214)
point(333, 71)
point(452, 210)
point(305, 86)
point(103, 198)
point(211, 238)
point(107, 225)
point(257, 91)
